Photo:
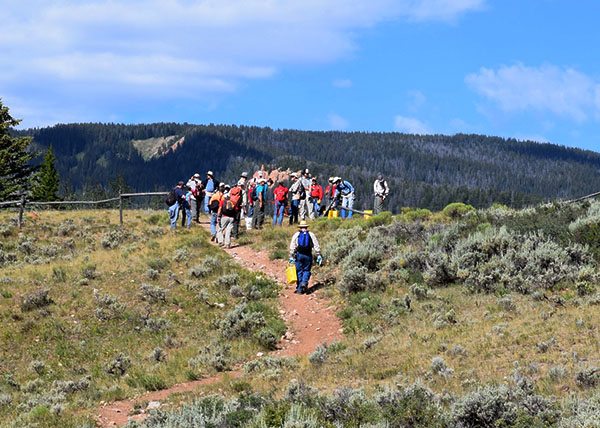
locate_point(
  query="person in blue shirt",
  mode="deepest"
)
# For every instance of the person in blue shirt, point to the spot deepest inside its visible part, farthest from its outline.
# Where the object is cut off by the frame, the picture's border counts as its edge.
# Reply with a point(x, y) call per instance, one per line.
point(187, 208)
point(209, 190)
point(177, 206)
point(258, 216)
point(345, 190)
point(301, 246)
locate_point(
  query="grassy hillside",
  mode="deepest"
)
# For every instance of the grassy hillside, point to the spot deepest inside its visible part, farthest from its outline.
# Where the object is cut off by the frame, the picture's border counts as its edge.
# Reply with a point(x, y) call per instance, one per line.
point(94, 313)
point(462, 318)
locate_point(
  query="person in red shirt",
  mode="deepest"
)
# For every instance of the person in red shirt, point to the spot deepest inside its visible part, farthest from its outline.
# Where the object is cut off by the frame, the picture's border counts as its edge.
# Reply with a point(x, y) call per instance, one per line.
point(316, 192)
point(280, 193)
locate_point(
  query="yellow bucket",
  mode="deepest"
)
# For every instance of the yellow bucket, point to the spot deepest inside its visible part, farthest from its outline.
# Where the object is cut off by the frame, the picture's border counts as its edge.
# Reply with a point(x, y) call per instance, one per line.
point(332, 214)
point(290, 272)
point(367, 212)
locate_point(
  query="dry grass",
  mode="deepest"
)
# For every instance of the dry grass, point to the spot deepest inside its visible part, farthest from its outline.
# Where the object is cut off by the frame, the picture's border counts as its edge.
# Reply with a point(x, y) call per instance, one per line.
point(71, 339)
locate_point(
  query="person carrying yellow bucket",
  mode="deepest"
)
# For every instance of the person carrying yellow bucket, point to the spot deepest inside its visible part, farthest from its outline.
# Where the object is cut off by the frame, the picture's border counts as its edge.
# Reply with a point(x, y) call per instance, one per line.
point(301, 246)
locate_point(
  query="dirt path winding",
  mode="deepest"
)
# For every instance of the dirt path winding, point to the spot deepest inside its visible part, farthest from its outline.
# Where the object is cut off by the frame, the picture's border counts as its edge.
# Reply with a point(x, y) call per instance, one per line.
point(310, 320)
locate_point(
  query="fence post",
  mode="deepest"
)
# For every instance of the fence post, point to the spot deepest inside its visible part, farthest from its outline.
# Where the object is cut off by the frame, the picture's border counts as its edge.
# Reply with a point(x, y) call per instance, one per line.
point(121, 207)
point(21, 209)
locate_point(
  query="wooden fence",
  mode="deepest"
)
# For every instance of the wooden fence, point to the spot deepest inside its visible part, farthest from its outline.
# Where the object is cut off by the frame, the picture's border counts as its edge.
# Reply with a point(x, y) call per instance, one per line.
point(23, 202)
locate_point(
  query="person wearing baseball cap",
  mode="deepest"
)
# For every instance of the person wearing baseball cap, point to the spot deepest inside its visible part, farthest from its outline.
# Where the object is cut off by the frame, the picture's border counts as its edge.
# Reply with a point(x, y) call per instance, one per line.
point(381, 191)
point(301, 247)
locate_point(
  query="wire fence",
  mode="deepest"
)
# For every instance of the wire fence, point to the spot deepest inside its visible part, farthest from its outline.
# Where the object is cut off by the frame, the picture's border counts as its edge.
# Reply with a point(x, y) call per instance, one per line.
point(23, 202)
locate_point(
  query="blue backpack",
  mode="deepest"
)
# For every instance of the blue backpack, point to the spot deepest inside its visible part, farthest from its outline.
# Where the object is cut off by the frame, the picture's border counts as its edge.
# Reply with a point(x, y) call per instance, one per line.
point(304, 241)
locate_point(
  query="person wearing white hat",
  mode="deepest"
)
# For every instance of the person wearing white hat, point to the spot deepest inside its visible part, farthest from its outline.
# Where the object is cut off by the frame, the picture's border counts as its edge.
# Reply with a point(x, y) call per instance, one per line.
point(301, 247)
point(195, 184)
point(306, 205)
point(258, 216)
point(297, 194)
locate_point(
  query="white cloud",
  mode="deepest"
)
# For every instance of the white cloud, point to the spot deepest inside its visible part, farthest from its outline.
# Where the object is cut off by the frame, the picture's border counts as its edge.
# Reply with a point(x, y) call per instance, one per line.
point(342, 83)
point(337, 122)
point(410, 125)
point(416, 100)
point(192, 48)
point(564, 92)
point(441, 10)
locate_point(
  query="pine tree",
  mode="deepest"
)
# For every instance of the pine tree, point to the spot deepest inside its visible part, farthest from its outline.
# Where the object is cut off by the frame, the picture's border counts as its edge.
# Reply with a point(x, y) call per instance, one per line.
point(15, 170)
point(45, 186)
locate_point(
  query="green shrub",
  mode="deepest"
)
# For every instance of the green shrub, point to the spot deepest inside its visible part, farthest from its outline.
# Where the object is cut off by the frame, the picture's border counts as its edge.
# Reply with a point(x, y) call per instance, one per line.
point(421, 214)
point(502, 406)
point(241, 322)
point(119, 365)
point(153, 293)
point(36, 300)
point(457, 210)
point(267, 339)
point(216, 355)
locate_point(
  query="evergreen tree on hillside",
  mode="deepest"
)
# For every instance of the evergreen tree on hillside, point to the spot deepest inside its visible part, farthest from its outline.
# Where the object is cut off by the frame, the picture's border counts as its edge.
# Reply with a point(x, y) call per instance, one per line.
point(46, 181)
point(14, 157)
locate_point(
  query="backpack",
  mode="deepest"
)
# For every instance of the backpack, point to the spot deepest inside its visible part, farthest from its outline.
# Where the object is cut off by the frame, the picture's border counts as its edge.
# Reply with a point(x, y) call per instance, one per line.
point(171, 198)
point(229, 209)
point(254, 194)
point(235, 195)
point(214, 205)
point(280, 194)
point(304, 241)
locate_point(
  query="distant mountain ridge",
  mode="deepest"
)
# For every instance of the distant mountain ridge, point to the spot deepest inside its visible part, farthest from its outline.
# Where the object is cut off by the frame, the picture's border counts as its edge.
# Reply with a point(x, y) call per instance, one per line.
point(427, 171)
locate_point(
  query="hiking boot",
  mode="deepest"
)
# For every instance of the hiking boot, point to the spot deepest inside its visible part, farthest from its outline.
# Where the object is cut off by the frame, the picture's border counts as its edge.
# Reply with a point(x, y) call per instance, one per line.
point(212, 238)
point(228, 246)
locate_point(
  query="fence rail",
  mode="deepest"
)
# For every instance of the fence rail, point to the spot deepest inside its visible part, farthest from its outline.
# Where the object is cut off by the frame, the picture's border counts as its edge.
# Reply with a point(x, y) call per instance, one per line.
point(21, 203)
point(582, 198)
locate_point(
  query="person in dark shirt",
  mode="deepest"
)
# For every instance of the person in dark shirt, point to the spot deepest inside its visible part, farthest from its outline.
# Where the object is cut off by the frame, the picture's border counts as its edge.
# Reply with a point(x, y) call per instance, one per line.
point(178, 205)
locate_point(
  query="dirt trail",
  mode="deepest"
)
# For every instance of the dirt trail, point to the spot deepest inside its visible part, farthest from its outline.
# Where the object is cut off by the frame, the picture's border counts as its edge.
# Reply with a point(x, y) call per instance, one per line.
point(310, 319)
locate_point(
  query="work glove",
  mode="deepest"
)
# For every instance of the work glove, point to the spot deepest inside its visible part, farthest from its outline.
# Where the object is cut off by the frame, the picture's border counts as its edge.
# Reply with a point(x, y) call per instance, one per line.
point(319, 202)
point(320, 260)
point(291, 260)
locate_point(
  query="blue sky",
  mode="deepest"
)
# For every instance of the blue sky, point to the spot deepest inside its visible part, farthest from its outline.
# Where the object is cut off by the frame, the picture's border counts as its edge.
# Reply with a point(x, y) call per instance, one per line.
point(526, 69)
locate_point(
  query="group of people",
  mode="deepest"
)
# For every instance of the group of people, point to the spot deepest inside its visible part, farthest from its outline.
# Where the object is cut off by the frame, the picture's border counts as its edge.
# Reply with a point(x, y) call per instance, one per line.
point(247, 200)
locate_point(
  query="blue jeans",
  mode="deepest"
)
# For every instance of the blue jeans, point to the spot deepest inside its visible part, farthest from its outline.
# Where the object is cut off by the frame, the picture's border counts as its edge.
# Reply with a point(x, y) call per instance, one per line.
point(278, 214)
point(303, 265)
point(173, 214)
point(213, 224)
point(206, 201)
point(317, 207)
point(294, 208)
point(347, 201)
point(187, 214)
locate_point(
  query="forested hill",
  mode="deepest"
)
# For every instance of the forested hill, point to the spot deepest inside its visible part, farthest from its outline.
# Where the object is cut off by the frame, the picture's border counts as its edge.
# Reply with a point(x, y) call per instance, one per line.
point(427, 171)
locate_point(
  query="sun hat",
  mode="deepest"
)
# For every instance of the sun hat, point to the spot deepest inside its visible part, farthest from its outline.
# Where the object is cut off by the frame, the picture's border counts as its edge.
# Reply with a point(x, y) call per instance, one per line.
point(196, 175)
point(209, 173)
point(244, 174)
point(303, 224)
